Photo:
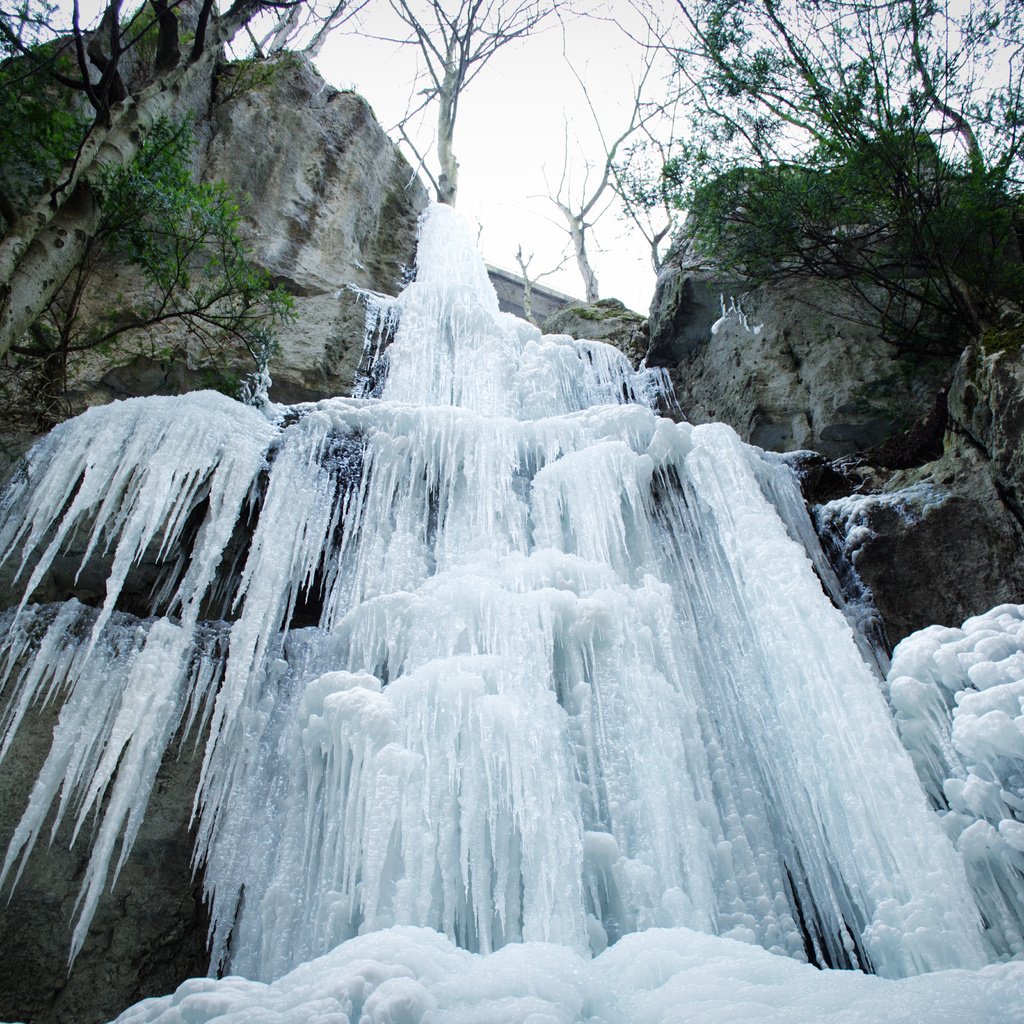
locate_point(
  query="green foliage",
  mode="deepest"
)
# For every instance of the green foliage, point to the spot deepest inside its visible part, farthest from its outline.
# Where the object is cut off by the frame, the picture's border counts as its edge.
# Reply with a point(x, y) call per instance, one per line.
point(184, 238)
point(43, 125)
point(1008, 340)
point(604, 309)
point(878, 146)
point(250, 74)
point(930, 245)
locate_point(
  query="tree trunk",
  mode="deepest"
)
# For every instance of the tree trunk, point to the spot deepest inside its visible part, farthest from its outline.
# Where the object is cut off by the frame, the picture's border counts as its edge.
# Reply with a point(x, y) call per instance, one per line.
point(45, 264)
point(448, 179)
point(578, 233)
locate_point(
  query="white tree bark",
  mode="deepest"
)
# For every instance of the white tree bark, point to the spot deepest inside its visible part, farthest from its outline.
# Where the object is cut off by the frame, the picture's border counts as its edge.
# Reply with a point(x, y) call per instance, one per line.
point(578, 234)
point(448, 178)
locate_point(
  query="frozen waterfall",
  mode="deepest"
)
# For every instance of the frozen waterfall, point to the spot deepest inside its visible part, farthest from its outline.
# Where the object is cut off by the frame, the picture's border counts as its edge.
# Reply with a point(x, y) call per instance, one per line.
point(493, 661)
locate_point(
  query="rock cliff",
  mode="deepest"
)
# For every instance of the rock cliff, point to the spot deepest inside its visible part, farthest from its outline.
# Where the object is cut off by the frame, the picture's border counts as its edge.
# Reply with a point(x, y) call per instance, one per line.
point(943, 540)
point(335, 210)
point(787, 368)
point(328, 207)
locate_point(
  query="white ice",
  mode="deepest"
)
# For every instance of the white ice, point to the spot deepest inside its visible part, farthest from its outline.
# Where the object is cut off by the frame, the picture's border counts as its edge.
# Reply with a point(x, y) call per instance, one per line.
point(509, 658)
point(676, 976)
point(959, 700)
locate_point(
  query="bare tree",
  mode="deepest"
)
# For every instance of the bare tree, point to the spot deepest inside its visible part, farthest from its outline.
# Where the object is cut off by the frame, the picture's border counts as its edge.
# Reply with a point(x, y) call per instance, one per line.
point(455, 39)
point(304, 26)
point(46, 237)
point(639, 183)
point(583, 201)
point(524, 261)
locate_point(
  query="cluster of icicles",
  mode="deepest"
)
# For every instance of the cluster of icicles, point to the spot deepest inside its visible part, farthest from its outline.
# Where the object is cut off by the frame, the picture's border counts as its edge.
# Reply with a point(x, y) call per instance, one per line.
point(496, 652)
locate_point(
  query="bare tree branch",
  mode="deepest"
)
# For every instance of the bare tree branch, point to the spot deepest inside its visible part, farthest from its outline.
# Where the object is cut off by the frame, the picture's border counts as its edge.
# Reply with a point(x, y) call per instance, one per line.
point(578, 211)
point(455, 41)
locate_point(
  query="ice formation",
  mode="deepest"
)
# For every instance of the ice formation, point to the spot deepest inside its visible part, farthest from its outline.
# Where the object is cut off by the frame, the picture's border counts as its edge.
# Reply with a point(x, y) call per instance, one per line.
point(959, 701)
point(493, 651)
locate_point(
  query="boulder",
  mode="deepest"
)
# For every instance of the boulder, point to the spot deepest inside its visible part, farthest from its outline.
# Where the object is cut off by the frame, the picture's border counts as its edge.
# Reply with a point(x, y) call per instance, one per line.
point(606, 320)
point(789, 367)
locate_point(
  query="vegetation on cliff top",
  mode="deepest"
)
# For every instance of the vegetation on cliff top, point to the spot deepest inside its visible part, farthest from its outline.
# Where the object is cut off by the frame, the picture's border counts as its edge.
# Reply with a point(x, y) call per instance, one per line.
point(66, 92)
point(877, 145)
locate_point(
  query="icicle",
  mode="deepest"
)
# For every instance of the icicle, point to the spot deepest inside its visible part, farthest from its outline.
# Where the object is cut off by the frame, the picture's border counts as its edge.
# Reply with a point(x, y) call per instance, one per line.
point(130, 474)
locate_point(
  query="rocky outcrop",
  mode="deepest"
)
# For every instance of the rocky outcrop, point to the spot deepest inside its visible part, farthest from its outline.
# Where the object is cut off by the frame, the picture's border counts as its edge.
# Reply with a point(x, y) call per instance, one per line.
point(606, 320)
point(986, 404)
point(332, 207)
point(935, 542)
point(328, 206)
point(944, 540)
point(149, 933)
point(794, 367)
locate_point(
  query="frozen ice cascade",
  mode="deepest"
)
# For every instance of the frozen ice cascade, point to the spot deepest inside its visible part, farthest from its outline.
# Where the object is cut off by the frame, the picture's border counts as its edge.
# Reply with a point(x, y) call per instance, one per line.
point(516, 703)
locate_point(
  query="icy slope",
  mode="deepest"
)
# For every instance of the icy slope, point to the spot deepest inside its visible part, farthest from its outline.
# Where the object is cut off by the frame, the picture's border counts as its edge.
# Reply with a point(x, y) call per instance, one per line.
point(416, 976)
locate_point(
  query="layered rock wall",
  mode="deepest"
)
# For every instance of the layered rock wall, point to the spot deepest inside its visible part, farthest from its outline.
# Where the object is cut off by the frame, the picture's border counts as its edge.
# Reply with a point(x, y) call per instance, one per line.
point(795, 367)
point(328, 206)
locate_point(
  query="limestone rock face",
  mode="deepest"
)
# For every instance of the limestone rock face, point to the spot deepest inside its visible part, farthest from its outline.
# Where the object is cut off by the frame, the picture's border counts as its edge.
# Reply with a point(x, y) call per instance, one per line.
point(606, 320)
point(986, 402)
point(788, 368)
point(328, 206)
point(333, 207)
point(944, 540)
point(937, 542)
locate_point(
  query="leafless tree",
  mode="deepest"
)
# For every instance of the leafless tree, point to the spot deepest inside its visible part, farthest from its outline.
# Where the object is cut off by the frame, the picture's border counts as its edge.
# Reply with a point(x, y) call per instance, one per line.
point(523, 261)
point(304, 26)
point(456, 39)
point(583, 200)
point(637, 182)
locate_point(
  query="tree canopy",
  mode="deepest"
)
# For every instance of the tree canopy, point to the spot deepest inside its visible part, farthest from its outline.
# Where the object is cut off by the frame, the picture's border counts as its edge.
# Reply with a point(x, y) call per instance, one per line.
point(877, 144)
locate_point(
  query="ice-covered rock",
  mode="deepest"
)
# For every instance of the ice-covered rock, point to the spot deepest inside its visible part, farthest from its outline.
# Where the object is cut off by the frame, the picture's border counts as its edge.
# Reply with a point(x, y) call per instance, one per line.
point(415, 976)
point(958, 694)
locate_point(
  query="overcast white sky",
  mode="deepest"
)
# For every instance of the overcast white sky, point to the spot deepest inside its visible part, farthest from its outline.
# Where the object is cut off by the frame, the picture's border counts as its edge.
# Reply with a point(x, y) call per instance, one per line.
point(511, 131)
